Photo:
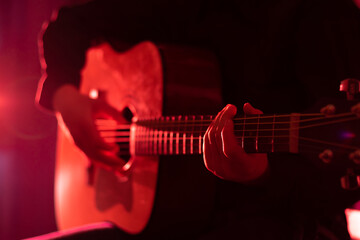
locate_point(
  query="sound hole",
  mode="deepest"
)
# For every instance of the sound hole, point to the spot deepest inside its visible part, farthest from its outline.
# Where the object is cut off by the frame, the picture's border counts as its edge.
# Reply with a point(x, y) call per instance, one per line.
point(124, 152)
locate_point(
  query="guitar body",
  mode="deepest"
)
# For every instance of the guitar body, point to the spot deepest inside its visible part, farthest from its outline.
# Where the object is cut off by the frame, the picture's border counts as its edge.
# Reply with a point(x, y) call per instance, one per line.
point(159, 195)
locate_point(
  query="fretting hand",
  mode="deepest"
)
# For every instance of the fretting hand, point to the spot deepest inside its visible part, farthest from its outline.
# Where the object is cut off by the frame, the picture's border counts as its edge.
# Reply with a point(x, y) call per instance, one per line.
point(224, 157)
point(78, 112)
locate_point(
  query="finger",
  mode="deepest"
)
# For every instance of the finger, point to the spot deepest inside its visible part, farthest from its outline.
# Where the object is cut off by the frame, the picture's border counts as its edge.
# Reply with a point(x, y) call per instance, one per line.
point(216, 124)
point(92, 135)
point(213, 155)
point(88, 140)
point(106, 145)
point(210, 132)
point(328, 110)
point(210, 146)
point(103, 156)
point(208, 153)
point(249, 109)
point(212, 159)
point(231, 148)
point(227, 114)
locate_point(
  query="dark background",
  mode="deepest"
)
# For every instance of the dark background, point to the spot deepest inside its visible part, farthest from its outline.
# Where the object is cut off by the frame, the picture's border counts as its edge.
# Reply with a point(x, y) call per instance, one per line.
point(27, 140)
point(27, 135)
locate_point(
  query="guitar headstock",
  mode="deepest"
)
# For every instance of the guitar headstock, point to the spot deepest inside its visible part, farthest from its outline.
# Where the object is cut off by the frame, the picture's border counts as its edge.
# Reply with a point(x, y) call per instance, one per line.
point(331, 139)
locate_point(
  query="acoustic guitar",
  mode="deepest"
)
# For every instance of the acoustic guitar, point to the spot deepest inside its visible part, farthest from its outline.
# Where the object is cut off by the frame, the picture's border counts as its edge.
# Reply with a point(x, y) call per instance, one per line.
point(166, 184)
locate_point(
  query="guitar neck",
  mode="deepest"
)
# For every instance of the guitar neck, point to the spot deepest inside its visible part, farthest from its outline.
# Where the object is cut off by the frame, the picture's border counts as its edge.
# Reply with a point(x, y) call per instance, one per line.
point(184, 134)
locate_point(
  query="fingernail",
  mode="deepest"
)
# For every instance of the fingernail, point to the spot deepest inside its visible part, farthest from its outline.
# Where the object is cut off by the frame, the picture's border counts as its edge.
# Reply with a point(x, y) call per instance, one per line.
point(247, 105)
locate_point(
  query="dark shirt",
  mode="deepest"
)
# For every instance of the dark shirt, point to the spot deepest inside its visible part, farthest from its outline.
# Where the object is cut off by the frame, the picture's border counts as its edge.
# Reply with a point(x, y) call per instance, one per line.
point(281, 56)
point(295, 50)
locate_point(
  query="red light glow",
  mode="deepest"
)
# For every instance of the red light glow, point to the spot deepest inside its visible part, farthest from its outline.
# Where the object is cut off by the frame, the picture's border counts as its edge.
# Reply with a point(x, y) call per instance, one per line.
point(353, 222)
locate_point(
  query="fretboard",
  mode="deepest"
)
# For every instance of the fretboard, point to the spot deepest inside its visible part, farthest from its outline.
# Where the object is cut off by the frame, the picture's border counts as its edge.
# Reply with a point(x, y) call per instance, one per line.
point(184, 134)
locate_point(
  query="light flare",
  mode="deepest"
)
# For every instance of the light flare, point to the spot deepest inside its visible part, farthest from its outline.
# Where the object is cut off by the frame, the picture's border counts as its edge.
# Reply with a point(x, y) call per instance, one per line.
point(353, 223)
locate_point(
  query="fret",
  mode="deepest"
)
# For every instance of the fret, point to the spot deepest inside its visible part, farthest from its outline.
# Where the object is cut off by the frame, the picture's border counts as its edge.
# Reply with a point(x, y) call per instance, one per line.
point(294, 133)
point(165, 142)
point(192, 135)
point(281, 133)
point(167, 137)
point(155, 150)
point(154, 137)
point(151, 140)
point(196, 128)
point(200, 144)
point(184, 135)
point(177, 141)
point(250, 131)
point(171, 138)
point(147, 140)
point(142, 140)
point(201, 133)
point(266, 134)
point(184, 143)
point(155, 133)
point(257, 136)
point(160, 142)
point(132, 142)
point(134, 138)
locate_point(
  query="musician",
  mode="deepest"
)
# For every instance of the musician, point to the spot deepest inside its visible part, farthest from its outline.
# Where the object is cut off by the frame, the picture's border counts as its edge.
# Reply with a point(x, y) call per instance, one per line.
point(280, 55)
